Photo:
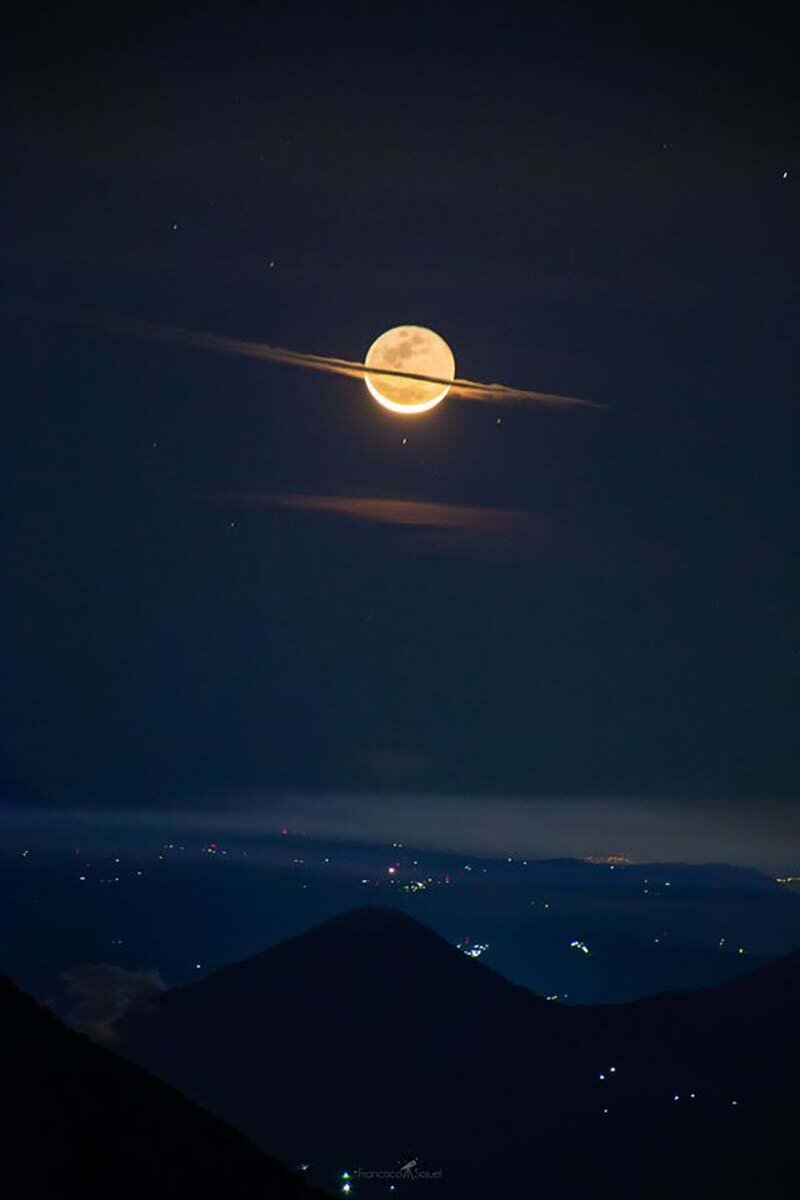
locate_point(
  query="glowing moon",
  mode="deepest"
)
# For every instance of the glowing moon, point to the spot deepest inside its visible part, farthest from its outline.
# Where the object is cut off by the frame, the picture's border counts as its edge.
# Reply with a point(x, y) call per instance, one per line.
point(419, 351)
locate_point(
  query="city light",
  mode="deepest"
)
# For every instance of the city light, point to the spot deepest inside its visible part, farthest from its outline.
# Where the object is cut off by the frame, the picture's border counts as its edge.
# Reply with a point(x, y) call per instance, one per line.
point(473, 949)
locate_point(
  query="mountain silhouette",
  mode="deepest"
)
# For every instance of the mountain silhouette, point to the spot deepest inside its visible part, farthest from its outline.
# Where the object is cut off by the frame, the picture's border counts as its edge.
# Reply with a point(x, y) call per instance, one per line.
point(370, 1040)
point(79, 1121)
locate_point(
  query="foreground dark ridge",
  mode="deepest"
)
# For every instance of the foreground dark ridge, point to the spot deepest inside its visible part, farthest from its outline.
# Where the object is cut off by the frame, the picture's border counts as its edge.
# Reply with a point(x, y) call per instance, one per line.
point(79, 1121)
point(393, 1044)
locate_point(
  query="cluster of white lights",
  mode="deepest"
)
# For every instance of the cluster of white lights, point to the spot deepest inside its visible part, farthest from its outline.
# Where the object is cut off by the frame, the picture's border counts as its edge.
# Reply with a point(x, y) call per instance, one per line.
point(474, 949)
point(578, 945)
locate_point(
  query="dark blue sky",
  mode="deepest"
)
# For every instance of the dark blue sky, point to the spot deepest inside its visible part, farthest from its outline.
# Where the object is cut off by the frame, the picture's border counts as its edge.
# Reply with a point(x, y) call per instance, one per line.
point(599, 212)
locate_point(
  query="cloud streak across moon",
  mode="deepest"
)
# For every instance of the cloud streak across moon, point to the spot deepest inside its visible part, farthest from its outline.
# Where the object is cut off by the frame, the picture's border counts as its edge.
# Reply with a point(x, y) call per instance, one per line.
point(468, 389)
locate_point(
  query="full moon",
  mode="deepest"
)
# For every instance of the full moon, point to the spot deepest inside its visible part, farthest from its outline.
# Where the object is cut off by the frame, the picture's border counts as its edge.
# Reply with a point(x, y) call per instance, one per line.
point(416, 350)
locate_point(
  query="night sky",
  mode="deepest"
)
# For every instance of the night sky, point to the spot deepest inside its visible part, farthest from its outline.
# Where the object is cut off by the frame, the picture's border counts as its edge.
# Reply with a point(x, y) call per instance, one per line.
point(609, 213)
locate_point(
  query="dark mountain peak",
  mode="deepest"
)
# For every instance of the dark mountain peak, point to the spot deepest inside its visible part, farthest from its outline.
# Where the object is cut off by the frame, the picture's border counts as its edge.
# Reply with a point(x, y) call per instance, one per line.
point(385, 955)
point(371, 918)
point(382, 951)
point(362, 1021)
point(371, 928)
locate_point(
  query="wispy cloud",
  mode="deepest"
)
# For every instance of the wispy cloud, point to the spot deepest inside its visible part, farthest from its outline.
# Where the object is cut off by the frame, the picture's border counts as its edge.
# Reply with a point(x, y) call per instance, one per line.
point(453, 527)
point(105, 993)
point(419, 513)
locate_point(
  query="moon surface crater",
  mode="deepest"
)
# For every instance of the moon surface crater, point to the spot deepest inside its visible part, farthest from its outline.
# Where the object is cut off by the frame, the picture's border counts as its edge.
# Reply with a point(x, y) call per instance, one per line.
point(418, 351)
